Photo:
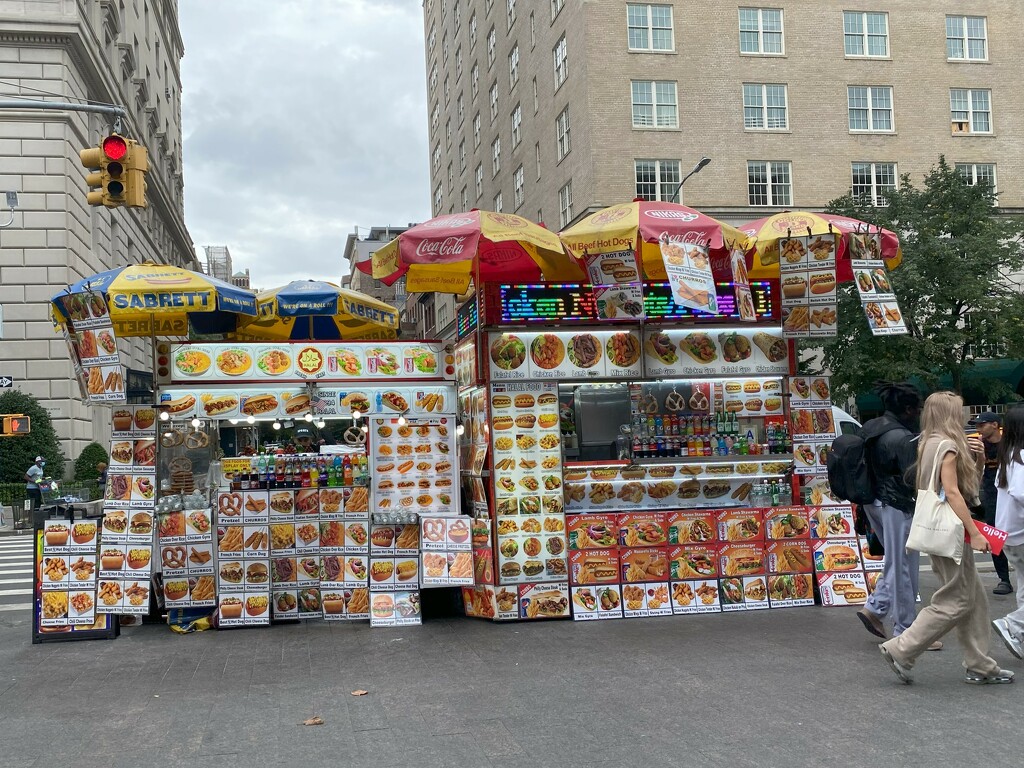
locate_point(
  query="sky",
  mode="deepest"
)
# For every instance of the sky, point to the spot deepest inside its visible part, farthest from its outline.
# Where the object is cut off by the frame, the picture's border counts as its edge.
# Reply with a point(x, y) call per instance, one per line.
point(300, 121)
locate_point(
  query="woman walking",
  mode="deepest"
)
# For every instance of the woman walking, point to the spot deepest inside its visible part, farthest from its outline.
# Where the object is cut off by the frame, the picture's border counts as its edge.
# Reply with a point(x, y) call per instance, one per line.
point(1010, 518)
point(946, 460)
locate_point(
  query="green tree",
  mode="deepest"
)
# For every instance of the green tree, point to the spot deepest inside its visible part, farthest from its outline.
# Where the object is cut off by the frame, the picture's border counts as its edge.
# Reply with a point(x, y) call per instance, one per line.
point(85, 465)
point(955, 287)
point(18, 453)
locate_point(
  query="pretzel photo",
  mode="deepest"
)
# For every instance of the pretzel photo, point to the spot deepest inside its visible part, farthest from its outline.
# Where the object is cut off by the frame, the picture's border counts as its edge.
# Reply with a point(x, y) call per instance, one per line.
point(196, 440)
point(230, 504)
point(172, 439)
point(173, 557)
point(433, 529)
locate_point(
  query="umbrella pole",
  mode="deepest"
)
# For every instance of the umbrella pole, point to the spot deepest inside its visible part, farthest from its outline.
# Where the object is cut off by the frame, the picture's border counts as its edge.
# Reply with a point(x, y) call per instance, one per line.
point(311, 328)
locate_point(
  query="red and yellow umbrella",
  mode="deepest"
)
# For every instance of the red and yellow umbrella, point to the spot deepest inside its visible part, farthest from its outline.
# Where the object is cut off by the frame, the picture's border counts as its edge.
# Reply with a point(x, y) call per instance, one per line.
point(444, 254)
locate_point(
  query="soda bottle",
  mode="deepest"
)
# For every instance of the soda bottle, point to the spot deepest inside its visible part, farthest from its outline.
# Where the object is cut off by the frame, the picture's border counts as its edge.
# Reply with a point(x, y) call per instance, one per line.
point(346, 465)
point(313, 473)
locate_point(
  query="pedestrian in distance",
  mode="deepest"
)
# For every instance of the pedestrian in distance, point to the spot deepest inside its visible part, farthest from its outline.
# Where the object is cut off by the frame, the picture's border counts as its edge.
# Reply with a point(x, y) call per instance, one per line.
point(891, 455)
point(34, 476)
point(949, 461)
point(101, 477)
point(989, 428)
point(1010, 518)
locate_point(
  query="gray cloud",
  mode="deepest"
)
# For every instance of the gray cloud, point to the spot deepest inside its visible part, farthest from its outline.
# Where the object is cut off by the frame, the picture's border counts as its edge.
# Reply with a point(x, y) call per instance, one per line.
point(301, 119)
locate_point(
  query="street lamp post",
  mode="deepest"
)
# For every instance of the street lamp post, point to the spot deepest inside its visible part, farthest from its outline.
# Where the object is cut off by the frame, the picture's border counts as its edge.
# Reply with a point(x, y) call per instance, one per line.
point(701, 164)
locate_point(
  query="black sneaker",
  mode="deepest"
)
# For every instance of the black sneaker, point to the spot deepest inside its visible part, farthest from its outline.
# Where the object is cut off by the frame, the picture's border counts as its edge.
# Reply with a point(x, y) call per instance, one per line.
point(1002, 588)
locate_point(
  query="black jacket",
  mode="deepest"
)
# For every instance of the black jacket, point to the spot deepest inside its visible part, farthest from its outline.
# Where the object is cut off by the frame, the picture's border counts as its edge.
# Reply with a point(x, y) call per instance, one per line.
point(892, 458)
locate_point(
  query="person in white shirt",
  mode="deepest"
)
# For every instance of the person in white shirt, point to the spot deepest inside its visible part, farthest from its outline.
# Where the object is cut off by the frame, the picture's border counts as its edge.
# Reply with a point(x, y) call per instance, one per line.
point(33, 475)
point(1010, 518)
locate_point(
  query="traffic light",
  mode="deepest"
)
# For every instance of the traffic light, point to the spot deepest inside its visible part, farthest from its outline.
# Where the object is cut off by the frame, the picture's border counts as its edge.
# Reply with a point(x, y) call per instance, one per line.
point(16, 424)
point(109, 172)
point(135, 180)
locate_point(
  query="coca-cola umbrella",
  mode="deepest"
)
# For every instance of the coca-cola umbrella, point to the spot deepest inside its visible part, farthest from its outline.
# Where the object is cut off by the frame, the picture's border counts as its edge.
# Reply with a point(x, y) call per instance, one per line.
point(443, 254)
point(842, 233)
point(642, 225)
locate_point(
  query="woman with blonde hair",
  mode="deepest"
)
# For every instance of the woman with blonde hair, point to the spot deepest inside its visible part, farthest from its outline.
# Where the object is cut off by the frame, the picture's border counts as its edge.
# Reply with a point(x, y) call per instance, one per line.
point(949, 462)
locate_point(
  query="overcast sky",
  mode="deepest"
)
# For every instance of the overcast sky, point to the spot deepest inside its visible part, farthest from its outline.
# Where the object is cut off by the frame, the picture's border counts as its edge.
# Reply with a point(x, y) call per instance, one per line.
point(301, 120)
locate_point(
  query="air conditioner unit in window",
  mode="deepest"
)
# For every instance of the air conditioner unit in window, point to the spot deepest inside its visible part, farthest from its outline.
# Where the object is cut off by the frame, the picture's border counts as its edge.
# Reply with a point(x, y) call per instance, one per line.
point(961, 127)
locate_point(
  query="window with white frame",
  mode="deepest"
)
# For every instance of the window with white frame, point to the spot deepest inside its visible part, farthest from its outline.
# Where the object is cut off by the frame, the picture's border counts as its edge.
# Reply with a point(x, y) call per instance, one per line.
point(556, 6)
point(536, 154)
point(474, 80)
point(966, 38)
point(510, 12)
point(761, 31)
point(970, 110)
point(519, 186)
point(499, 203)
point(448, 133)
point(476, 131)
point(866, 34)
point(872, 180)
point(451, 176)
point(565, 204)
point(494, 100)
point(533, 31)
point(479, 180)
point(431, 39)
point(654, 104)
point(433, 78)
point(447, 90)
point(978, 174)
point(561, 57)
point(513, 66)
point(492, 45)
point(457, 16)
point(769, 182)
point(562, 141)
point(517, 126)
point(472, 30)
point(496, 156)
point(458, 62)
point(657, 179)
point(462, 156)
point(870, 107)
point(435, 115)
point(649, 27)
point(461, 108)
point(488, 4)
point(536, 97)
point(444, 49)
point(438, 193)
point(436, 160)
point(465, 199)
point(765, 107)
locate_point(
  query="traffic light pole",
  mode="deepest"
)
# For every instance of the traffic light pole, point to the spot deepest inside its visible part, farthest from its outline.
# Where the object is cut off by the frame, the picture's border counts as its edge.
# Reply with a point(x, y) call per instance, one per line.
point(65, 106)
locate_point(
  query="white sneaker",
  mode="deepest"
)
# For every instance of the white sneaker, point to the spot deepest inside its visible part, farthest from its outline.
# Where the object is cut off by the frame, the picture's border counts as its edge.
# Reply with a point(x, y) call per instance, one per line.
point(1012, 643)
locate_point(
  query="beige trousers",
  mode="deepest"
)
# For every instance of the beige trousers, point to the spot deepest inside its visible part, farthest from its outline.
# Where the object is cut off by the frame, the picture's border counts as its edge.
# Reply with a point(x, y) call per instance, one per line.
point(961, 603)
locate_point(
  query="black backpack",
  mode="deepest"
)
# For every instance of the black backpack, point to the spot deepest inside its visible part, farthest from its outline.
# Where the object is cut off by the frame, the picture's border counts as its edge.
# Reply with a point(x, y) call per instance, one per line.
point(849, 476)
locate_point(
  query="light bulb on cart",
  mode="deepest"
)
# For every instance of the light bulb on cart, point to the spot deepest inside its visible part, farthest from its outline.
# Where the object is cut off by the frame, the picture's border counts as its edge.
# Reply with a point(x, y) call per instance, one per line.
point(251, 420)
point(233, 421)
point(164, 416)
point(308, 417)
point(460, 429)
point(277, 425)
point(365, 428)
point(321, 424)
point(401, 420)
point(196, 423)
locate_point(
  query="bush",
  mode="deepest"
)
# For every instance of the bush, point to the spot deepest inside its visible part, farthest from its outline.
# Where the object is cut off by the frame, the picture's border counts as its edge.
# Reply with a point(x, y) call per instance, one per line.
point(18, 453)
point(85, 465)
point(12, 494)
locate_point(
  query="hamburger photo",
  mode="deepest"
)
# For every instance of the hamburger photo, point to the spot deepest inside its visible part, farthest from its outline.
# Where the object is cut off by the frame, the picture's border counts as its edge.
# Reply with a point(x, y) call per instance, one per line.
point(256, 573)
point(512, 569)
point(383, 606)
point(142, 523)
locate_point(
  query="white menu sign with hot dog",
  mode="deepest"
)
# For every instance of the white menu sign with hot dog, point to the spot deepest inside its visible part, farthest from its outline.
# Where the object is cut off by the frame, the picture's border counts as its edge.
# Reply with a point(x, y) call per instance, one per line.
point(564, 355)
point(713, 351)
point(878, 300)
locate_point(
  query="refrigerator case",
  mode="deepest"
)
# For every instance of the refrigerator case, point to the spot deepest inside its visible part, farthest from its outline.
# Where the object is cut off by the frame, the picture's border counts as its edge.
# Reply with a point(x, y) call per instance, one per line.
point(600, 412)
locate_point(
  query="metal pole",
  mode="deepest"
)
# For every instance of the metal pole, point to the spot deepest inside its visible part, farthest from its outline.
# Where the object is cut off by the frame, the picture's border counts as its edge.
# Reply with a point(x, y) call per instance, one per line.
point(696, 169)
point(66, 106)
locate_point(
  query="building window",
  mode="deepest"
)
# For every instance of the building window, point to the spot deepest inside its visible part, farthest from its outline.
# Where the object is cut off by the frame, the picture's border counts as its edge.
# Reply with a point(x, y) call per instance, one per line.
point(492, 43)
point(465, 199)
point(513, 67)
point(495, 156)
point(866, 34)
point(499, 203)
point(437, 200)
point(966, 38)
point(565, 204)
point(556, 6)
point(536, 97)
point(761, 31)
point(870, 107)
point(517, 126)
point(444, 49)
point(494, 100)
point(479, 180)
point(976, 174)
point(511, 12)
point(433, 78)
point(561, 56)
point(437, 158)
point(431, 39)
point(654, 104)
point(451, 176)
point(476, 131)
point(462, 156)
point(970, 110)
point(765, 107)
point(435, 115)
point(536, 153)
point(448, 134)
point(457, 16)
point(872, 180)
point(650, 27)
point(458, 62)
point(461, 108)
point(519, 183)
point(769, 182)
point(533, 31)
point(562, 133)
point(657, 179)
point(472, 30)
point(475, 80)
point(447, 90)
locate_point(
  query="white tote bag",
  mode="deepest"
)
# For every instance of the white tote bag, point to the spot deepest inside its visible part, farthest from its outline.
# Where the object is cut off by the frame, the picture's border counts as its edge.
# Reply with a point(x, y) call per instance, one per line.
point(936, 530)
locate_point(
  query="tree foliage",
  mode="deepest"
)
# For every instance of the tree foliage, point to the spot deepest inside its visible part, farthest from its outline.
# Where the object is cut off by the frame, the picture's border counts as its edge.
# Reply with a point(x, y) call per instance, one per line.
point(957, 287)
point(85, 465)
point(18, 453)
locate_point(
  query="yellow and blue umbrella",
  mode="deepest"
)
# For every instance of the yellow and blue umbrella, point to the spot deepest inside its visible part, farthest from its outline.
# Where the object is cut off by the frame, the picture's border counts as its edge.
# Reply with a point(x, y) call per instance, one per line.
point(306, 310)
point(156, 300)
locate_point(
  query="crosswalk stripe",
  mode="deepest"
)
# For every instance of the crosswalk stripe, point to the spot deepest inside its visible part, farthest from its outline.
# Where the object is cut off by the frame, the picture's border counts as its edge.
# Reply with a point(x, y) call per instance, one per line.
point(16, 607)
point(11, 592)
point(26, 580)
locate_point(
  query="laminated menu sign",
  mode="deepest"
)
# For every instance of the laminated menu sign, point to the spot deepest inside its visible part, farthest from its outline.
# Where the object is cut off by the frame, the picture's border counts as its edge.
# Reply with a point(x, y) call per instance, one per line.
point(877, 297)
point(688, 266)
point(695, 596)
point(564, 355)
point(413, 465)
point(67, 573)
point(713, 351)
point(245, 542)
point(741, 285)
point(615, 277)
point(447, 557)
point(807, 268)
point(395, 609)
point(812, 422)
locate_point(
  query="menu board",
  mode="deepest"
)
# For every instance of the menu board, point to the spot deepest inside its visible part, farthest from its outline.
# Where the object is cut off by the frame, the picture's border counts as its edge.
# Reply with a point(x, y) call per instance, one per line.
point(447, 558)
point(307, 361)
point(713, 351)
point(413, 465)
point(67, 574)
point(528, 482)
point(876, 294)
point(615, 278)
point(187, 558)
point(741, 282)
point(76, 364)
point(245, 543)
point(544, 601)
point(807, 267)
point(688, 266)
point(564, 355)
point(94, 347)
point(466, 371)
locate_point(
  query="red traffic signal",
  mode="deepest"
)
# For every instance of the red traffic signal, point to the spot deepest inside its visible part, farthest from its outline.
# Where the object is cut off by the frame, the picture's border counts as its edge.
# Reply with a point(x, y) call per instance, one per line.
point(115, 147)
point(16, 425)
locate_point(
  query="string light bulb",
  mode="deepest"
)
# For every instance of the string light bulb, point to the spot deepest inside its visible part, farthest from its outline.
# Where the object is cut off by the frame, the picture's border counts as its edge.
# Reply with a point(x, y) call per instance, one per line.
point(459, 430)
point(233, 421)
point(277, 425)
point(365, 428)
point(401, 420)
point(251, 420)
point(308, 417)
point(164, 416)
point(196, 423)
point(321, 424)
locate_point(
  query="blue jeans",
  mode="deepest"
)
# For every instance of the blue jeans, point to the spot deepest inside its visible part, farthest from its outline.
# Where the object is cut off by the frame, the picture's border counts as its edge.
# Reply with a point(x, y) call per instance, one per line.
point(895, 594)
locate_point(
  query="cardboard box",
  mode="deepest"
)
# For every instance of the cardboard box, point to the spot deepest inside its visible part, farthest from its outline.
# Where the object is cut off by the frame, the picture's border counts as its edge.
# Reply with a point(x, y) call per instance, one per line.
point(594, 566)
point(741, 525)
point(544, 601)
point(644, 564)
point(849, 588)
point(696, 596)
point(836, 555)
point(831, 522)
point(642, 529)
point(787, 523)
point(871, 562)
point(741, 560)
point(693, 561)
point(790, 589)
point(789, 556)
point(698, 526)
point(592, 531)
